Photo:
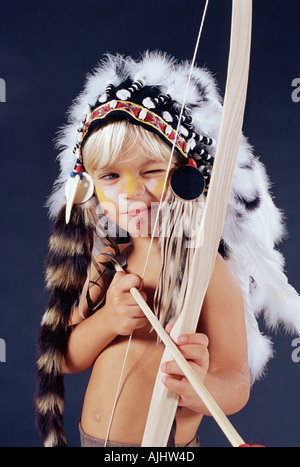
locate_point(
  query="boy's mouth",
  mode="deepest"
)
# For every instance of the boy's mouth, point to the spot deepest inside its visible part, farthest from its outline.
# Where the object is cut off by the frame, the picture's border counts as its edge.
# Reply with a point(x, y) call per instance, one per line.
point(136, 212)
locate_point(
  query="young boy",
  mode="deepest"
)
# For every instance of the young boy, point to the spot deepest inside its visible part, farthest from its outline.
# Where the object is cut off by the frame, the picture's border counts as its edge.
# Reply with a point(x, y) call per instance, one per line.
point(123, 131)
point(218, 352)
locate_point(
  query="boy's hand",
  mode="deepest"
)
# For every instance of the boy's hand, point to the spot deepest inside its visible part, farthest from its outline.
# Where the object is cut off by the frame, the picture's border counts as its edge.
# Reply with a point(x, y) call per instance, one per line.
point(194, 348)
point(123, 313)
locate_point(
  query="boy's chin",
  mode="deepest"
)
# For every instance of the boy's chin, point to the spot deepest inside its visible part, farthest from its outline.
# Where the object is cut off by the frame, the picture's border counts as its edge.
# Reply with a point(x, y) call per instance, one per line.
point(140, 231)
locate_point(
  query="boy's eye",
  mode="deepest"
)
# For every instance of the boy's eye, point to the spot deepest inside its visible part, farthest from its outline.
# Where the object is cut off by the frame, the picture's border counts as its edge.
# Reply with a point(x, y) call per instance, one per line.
point(111, 176)
point(155, 171)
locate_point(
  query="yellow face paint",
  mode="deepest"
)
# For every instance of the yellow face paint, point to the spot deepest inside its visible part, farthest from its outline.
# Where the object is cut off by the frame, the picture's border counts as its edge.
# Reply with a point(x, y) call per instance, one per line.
point(130, 188)
point(159, 188)
point(101, 196)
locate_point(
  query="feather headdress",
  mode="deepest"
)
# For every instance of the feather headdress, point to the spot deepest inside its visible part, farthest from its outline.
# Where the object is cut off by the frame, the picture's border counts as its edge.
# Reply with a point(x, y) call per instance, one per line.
point(149, 92)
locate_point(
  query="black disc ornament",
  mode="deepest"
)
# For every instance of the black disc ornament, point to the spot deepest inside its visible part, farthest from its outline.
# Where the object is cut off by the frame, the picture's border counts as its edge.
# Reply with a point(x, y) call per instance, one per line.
point(187, 182)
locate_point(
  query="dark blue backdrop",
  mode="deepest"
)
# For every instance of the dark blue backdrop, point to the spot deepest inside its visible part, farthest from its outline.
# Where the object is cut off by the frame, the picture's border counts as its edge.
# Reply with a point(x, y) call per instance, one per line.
point(46, 48)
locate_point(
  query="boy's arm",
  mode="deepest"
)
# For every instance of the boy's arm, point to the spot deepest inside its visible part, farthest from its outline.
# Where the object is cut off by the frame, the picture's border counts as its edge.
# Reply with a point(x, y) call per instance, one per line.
point(89, 335)
point(119, 316)
point(87, 340)
point(222, 322)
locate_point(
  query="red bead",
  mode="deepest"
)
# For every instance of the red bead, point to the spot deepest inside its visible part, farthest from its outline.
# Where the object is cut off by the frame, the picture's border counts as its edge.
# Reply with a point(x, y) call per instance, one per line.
point(78, 169)
point(192, 162)
point(251, 446)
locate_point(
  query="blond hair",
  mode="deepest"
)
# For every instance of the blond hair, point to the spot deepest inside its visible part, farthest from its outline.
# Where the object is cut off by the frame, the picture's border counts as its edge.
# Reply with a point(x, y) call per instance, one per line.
point(106, 144)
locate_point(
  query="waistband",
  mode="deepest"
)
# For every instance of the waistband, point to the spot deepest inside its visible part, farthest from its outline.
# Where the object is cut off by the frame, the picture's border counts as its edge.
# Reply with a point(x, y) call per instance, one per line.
point(88, 441)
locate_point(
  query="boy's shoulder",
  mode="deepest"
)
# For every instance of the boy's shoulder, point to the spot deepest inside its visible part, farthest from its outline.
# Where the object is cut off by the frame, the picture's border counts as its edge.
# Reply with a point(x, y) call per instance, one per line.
point(223, 281)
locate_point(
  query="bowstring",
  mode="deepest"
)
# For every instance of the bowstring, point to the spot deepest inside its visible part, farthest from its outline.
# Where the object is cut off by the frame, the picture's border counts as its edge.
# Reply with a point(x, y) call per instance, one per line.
point(176, 138)
point(117, 392)
point(159, 207)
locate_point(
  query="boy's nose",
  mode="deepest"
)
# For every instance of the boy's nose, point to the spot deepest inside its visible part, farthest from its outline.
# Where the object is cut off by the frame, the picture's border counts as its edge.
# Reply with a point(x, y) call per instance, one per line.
point(134, 186)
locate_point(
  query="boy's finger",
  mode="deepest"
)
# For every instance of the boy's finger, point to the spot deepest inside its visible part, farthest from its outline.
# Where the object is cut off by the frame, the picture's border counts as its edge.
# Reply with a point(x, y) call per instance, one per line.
point(172, 368)
point(197, 353)
point(169, 328)
point(124, 282)
point(197, 338)
point(179, 386)
point(118, 276)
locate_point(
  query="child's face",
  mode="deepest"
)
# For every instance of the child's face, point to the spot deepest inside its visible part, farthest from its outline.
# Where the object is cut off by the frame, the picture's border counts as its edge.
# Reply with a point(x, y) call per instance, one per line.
point(130, 189)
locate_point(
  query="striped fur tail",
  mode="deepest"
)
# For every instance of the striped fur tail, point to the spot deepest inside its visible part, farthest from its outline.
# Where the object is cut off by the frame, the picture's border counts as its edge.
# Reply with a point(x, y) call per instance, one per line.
point(67, 263)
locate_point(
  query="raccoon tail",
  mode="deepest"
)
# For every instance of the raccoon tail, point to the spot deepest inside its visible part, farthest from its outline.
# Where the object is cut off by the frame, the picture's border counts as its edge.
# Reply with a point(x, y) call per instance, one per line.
point(66, 269)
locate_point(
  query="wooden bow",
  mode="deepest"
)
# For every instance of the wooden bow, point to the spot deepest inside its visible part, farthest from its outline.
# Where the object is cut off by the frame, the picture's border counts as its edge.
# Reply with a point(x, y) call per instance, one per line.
point(164, 403)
